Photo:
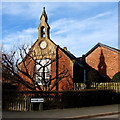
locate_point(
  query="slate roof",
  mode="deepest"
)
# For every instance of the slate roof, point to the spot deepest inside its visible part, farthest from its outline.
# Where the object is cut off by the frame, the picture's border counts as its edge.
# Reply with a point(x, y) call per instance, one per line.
point(69, 54)
point(72, 57)
point(102, 45)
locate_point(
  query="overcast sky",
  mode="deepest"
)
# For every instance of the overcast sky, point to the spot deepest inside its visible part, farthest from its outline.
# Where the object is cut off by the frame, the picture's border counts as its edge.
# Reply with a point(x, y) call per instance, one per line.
point(76, 25)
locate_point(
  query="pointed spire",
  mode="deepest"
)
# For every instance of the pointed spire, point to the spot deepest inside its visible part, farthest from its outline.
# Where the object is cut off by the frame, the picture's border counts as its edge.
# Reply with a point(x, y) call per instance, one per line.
point(44, 14)
point(43, 28)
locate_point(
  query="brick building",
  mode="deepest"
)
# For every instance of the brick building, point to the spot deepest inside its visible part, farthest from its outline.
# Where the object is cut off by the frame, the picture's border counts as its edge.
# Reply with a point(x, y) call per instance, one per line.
point(58, 63)
point(104, 59)
point(62, 68)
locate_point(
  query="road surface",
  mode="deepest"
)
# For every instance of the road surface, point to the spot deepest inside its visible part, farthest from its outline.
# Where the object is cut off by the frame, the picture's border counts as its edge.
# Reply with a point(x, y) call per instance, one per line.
point(73, 113)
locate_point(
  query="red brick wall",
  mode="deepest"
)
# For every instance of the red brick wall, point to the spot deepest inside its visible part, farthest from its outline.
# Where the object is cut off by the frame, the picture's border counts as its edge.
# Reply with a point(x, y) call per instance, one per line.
point(30, 66)
point(104, 60)
point(64, 64)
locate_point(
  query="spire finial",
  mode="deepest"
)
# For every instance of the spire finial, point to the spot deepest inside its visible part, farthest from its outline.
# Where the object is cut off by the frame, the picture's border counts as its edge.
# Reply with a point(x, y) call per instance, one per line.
point(44, 14)
point(43, 11)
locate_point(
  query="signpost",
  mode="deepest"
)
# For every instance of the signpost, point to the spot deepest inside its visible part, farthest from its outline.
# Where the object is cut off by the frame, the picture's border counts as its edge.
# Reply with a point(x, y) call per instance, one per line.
point(37, 100)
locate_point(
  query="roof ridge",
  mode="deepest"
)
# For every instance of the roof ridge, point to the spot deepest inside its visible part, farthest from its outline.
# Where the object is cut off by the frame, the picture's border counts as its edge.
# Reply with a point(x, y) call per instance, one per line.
point(103, 45)
point(109, 47)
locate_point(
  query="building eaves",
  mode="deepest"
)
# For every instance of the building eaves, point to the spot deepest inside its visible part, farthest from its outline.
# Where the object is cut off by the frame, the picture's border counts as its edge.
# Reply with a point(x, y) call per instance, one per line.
point(111, 48)
point(72, 57)
point(69, 54)
point(102, 45)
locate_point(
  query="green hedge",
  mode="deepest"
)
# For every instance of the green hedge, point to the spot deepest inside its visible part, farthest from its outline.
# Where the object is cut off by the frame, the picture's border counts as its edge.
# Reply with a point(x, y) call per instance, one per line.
point(88, 98)
point(116, 77)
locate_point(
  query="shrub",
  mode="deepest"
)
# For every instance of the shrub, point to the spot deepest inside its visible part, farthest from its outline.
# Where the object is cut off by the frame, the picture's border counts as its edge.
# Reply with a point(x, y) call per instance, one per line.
point(87, 98)
point(116, 77)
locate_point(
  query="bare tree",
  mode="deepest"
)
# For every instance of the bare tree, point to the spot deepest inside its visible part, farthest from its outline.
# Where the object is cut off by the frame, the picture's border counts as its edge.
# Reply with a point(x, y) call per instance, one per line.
point(31, 72)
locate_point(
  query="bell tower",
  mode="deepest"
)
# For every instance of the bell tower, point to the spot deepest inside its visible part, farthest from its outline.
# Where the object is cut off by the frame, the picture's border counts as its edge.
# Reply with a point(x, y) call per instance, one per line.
point(43, 28)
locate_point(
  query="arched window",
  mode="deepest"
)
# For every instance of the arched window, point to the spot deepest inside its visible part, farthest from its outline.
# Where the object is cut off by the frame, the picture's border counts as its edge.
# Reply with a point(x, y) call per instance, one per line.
point(43, 68)
point(42, 31)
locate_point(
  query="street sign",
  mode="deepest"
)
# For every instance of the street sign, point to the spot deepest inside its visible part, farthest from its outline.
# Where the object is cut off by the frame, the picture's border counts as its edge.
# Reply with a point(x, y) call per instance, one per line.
point(37, 100)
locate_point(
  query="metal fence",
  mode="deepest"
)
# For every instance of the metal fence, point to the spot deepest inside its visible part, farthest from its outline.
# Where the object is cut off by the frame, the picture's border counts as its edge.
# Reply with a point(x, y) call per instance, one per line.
point(12, 100)
point(21, 100)
point(109, 85)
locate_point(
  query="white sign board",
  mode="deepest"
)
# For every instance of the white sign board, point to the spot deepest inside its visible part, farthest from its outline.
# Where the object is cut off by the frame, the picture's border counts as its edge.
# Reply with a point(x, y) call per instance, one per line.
point(36, 100)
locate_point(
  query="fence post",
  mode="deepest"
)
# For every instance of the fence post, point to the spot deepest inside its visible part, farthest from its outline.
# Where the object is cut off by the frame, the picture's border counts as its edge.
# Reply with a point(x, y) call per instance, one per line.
point(29, 104)
point(41, 106)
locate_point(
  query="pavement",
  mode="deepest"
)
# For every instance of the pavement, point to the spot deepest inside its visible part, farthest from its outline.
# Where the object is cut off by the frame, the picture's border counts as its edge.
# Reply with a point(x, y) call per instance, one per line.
point(105, 111)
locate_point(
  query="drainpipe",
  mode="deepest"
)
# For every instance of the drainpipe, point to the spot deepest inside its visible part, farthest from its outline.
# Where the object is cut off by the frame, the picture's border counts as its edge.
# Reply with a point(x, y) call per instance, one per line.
point(57, 67)
point(84, 75)
point(84, 64)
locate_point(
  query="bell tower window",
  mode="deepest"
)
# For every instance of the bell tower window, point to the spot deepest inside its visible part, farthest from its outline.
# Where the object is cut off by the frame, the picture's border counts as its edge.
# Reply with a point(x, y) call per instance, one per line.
point(43, 28)
point(42, 31)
